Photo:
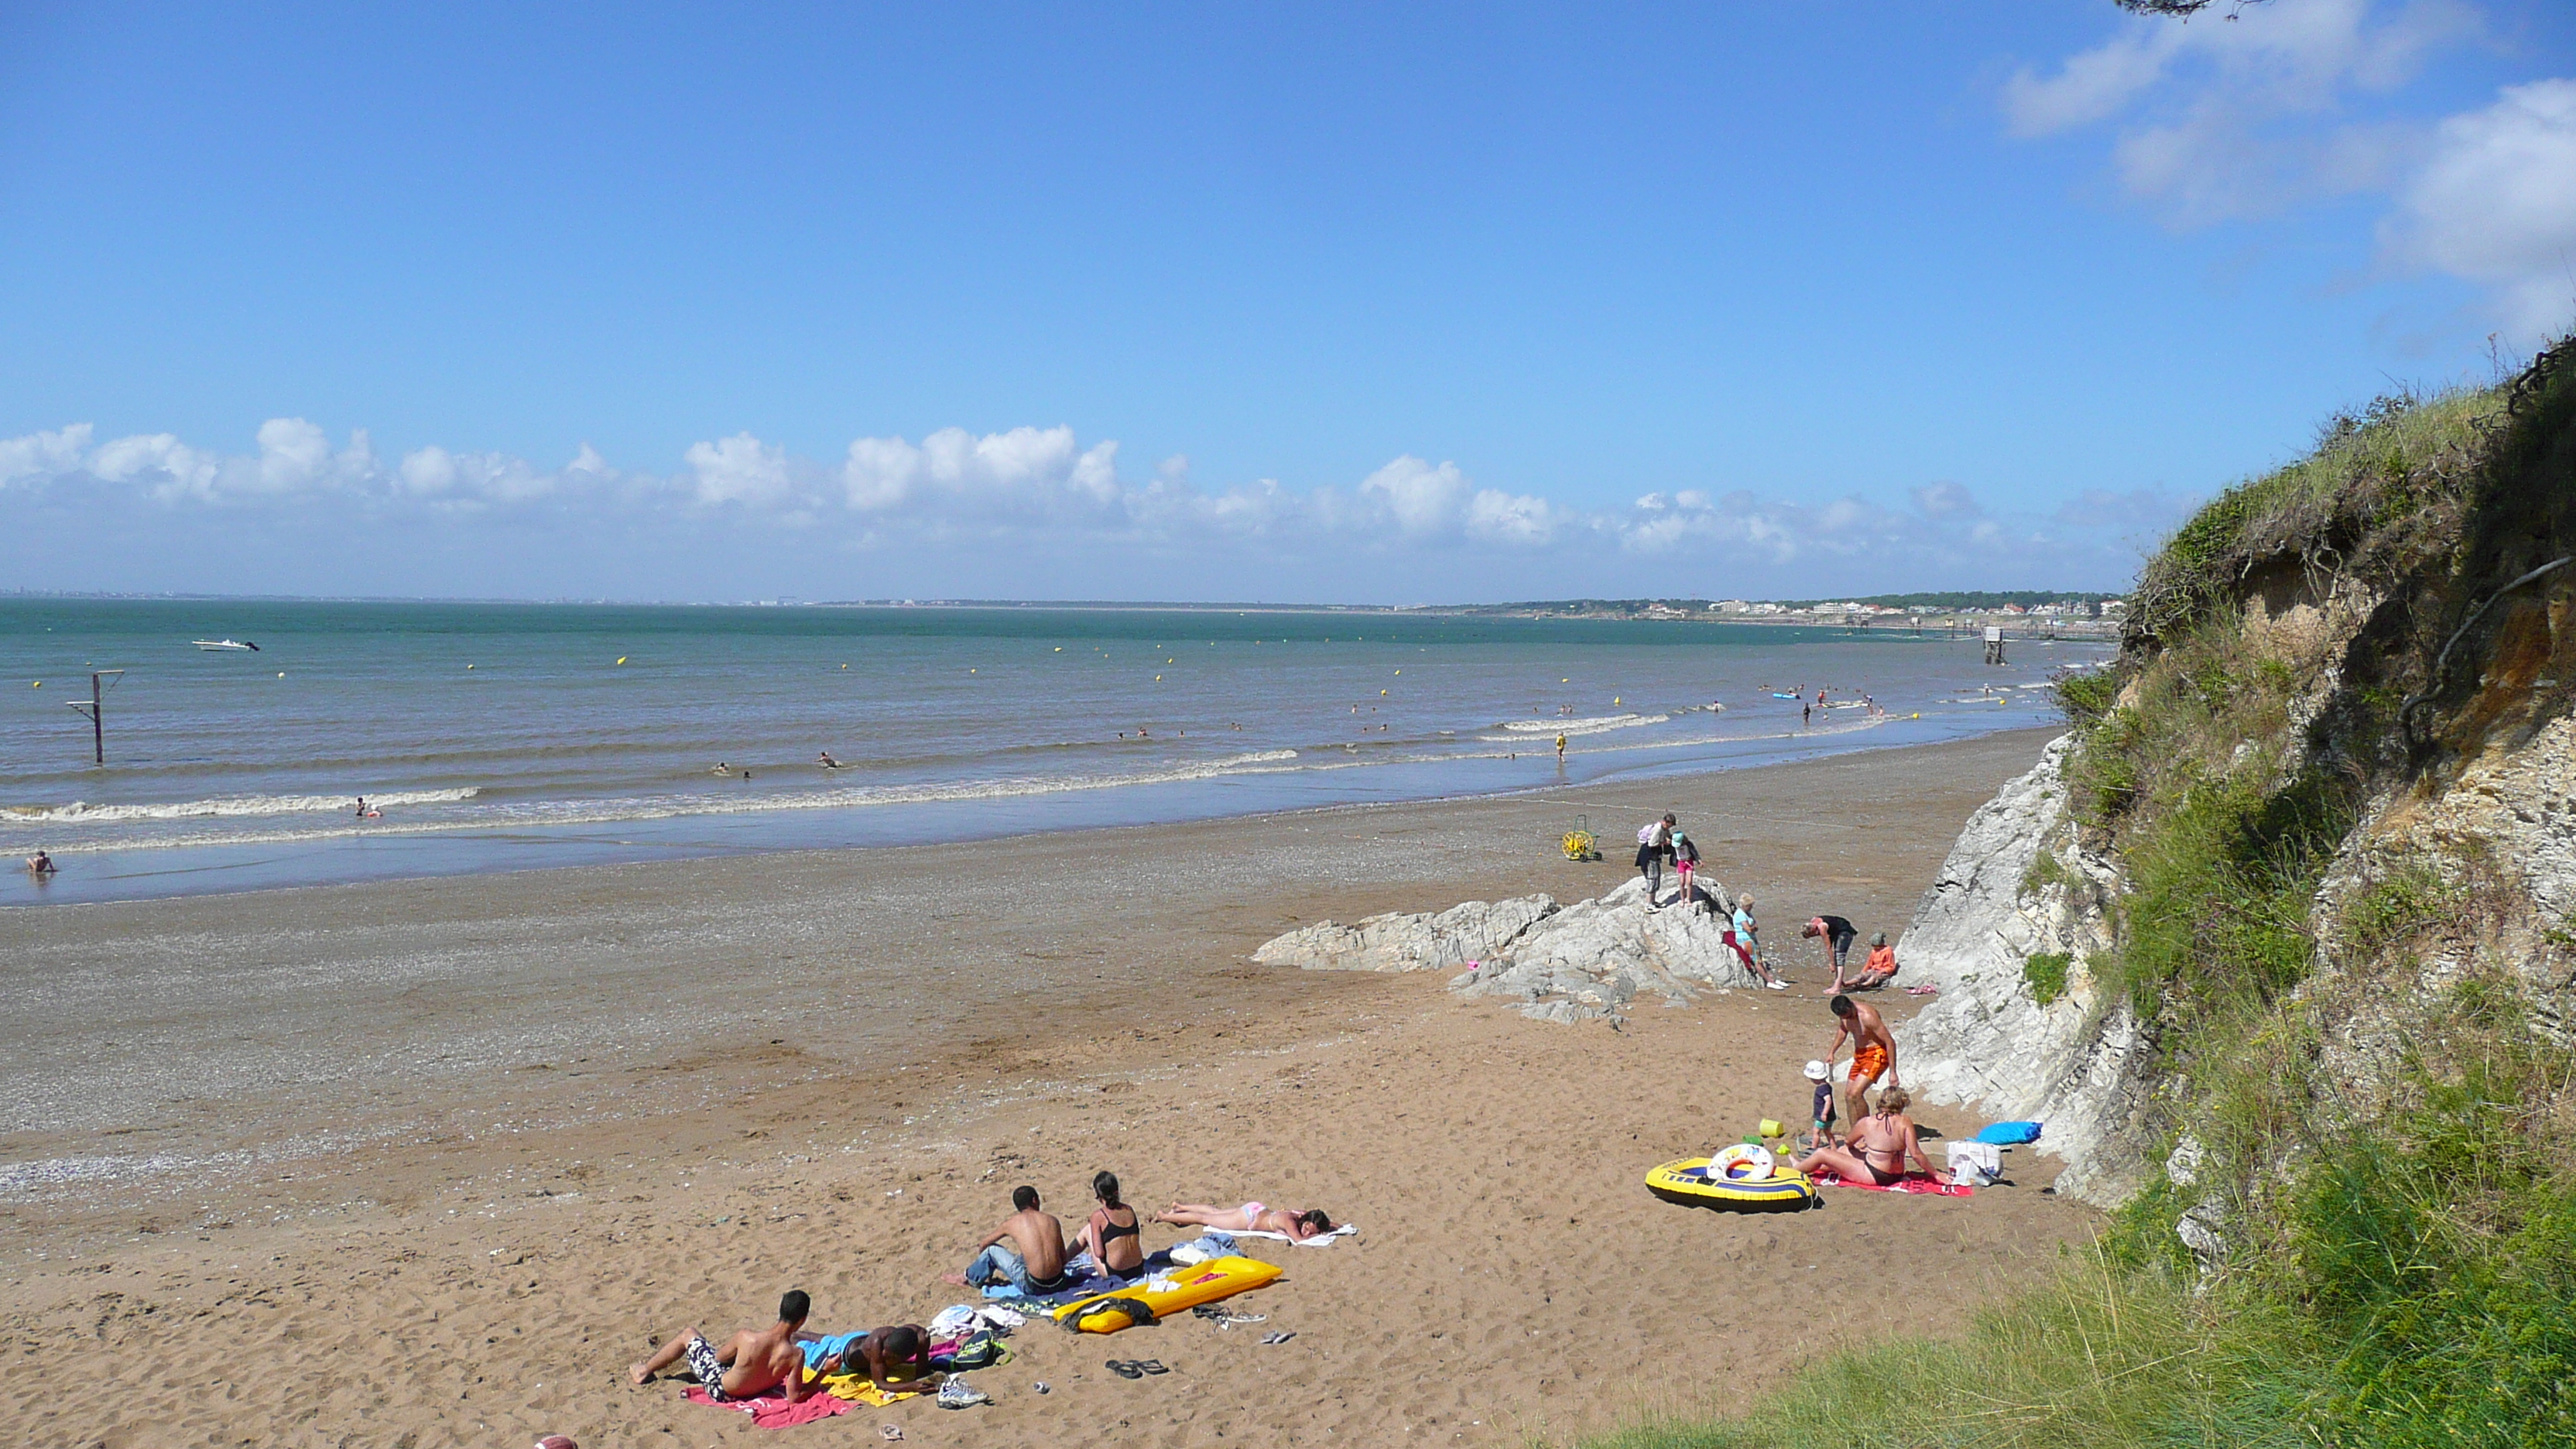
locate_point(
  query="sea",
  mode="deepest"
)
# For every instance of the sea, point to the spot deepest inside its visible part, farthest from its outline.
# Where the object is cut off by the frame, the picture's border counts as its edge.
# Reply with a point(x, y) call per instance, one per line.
point(509, 736)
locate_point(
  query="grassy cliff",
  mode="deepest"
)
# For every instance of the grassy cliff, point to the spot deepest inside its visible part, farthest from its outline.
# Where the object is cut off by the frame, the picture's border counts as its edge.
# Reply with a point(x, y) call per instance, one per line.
point(2320, 767)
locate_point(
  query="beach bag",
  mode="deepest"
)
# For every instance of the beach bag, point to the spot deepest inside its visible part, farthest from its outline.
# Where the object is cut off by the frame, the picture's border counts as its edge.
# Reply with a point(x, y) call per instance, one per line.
point(976, 1350)
point(1975, 1163)
point(1108, 1315)
point(1646, 835)
point(2010, 1134)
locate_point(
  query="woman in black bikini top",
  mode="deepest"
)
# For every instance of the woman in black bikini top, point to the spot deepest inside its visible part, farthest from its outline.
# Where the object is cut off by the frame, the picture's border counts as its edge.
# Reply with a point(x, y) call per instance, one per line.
point(1105, 1228)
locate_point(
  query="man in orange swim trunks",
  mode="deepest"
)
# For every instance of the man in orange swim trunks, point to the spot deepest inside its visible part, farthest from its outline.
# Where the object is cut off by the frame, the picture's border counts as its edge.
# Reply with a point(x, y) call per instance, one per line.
point(1873, 1051)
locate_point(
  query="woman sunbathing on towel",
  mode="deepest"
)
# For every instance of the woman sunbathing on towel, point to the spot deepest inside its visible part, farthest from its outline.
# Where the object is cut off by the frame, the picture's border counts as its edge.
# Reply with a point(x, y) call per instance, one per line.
point(1252, 1217)
point(1878, 1146)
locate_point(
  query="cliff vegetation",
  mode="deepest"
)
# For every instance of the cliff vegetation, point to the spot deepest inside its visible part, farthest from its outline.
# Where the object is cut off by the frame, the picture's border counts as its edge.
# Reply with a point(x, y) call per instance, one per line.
point(2303, 888)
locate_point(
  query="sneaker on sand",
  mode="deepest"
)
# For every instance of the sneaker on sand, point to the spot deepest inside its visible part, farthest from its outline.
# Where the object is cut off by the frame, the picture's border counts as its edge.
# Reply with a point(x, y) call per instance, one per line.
point(1777, 985)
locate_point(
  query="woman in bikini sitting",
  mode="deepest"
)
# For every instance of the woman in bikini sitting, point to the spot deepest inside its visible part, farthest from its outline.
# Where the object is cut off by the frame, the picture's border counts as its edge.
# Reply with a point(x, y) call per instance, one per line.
point(1252, 1217)
point(1111, 1237)
point(1877, 1148)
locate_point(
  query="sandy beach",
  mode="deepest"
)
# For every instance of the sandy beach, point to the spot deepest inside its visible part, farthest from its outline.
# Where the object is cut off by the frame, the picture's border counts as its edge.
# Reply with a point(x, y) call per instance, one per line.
point(429, 1163)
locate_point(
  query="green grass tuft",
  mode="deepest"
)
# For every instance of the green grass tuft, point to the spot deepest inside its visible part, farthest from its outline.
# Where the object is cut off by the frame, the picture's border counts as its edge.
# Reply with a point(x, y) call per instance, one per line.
point(2045, 974)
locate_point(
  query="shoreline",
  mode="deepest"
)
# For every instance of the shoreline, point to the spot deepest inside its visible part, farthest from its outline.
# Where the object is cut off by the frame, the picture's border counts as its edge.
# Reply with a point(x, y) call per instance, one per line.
point(112, 874)
point(570, 1109)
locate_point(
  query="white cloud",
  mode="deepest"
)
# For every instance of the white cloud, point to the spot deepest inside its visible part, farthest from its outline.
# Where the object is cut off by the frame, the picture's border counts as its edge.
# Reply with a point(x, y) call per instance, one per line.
point(2496, 203)
point(1423, 499)
point(740, 469)
point(41, 455)
point(2287, 105)
point(892, 498)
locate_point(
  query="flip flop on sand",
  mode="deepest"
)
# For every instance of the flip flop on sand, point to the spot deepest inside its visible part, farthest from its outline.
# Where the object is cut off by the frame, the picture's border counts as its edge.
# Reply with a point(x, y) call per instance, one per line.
point(1153, 1366)
point(1124, 1369)
point(889, 1432)
point(1277, 1337)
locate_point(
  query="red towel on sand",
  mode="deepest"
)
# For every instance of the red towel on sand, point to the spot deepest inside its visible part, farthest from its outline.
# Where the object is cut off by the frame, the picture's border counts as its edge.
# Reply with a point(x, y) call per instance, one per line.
point(1913, 1182)
point(772, 1411)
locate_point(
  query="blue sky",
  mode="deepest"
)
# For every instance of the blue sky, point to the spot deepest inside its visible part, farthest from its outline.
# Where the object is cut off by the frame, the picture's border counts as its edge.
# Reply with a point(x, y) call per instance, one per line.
point(1389, 304)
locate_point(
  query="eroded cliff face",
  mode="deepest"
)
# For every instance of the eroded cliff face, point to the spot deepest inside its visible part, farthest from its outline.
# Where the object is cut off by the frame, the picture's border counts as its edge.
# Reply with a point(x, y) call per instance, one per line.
point(2398, 642)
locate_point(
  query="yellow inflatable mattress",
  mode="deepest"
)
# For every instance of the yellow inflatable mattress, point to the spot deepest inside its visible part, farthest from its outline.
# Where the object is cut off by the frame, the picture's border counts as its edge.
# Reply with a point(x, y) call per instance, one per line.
point(1205, 1283)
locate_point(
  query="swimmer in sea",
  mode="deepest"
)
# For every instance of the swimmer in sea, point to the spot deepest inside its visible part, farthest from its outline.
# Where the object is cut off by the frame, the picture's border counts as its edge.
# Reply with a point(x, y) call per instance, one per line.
point(828, 762)
point(721, 769)
point(40, 865)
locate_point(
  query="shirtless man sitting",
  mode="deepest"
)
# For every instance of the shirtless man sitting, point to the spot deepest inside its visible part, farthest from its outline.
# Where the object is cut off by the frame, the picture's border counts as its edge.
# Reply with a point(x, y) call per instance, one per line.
point(752, 1362)
point(1873, 1052)
point(1252, 1217)
point(895, 1359)
point(1875, 1152)
point(1026, 1251)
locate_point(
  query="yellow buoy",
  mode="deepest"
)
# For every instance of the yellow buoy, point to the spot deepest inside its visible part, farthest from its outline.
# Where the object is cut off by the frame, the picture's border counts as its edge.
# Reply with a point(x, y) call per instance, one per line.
point(39, 684)
point(281, 674)
point(1381, 691)
point(621, 658)
point(1614, 699)
point(1158, 679)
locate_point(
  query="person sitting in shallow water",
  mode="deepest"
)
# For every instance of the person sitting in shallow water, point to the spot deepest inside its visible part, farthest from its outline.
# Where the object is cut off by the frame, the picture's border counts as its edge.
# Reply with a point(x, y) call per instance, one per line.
point(40, 864)
point(1252, 1217)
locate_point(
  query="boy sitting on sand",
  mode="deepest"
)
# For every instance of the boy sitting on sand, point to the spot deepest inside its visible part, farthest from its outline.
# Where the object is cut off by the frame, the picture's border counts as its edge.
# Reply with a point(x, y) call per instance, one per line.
point(752, 1362)
point(1880, 969)
point(1026, 1251)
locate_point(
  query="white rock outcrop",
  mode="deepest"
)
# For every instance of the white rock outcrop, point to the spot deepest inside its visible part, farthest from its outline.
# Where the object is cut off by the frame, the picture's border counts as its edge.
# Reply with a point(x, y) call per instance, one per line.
point(1986, 1041)
point(1582, 962)
point(1409, 942)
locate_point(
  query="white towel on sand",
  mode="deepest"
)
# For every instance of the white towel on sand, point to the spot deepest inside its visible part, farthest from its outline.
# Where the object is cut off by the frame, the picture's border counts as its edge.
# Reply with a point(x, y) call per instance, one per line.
point(1320, 1240)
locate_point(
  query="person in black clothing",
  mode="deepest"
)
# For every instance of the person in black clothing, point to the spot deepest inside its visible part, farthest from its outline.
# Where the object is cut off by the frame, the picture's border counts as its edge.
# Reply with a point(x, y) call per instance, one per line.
point(1840, 934)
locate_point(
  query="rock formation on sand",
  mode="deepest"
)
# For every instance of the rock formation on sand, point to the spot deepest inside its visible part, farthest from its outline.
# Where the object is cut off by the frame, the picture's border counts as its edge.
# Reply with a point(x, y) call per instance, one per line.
point(1583, 962)
point(1987, 1040)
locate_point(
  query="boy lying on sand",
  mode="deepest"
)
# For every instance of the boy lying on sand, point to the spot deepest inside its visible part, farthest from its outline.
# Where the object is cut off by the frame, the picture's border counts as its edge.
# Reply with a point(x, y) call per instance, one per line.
point(895, 1359)
point(753, 1361)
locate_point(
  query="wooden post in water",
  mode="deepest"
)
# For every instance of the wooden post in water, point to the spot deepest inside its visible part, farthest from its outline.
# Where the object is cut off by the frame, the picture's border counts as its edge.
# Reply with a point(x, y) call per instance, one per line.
point(94, 708)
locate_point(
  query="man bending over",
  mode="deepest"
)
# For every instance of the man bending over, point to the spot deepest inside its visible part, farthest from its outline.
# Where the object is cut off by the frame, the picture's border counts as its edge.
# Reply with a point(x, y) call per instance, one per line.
point(1873, 1052)
point(1026, 1251)
point(752, 1362)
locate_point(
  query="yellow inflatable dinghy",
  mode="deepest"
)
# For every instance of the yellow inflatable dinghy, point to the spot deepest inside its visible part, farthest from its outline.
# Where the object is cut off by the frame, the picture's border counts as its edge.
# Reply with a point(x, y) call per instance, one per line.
point(1690, 1183)
point(1202, 1283)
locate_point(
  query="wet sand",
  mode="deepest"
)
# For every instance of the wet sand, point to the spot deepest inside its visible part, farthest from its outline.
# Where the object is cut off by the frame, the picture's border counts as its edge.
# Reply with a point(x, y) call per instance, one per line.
point(431, 1162)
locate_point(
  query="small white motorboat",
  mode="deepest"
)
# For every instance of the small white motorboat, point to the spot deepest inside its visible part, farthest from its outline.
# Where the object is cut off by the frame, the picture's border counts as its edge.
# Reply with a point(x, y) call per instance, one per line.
point(228, 644)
